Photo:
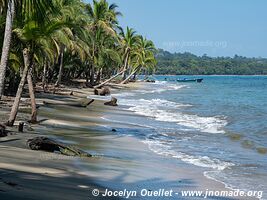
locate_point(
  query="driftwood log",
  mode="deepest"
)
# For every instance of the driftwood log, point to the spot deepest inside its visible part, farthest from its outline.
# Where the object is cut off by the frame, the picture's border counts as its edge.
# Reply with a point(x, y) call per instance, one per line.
point(104, 91)
point(150, 81)
point(3, 131)
point(83, 103)
point(113, 102)
point(50, 145)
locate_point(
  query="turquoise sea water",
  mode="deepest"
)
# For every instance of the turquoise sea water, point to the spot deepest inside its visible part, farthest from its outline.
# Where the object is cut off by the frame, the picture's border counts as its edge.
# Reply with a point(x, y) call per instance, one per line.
point(219, 125)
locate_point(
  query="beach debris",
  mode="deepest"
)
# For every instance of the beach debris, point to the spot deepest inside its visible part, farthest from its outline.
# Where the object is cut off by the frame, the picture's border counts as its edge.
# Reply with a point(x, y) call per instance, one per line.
point(104, 91)
point(50, 145)
point(3, 131)
point(112, 102)
point(21, 126)
point(150, 81)
point(82, 103)
point(86, 102)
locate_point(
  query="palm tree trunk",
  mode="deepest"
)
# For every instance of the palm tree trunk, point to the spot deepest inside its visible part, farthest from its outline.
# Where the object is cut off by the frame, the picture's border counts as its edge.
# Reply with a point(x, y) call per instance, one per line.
point(125, 81)
point(113, 77)
point(60, 68)
point(134, 76)
point(92, 75)
point(44, 77)
point(6, 44)
point(87, 75)
point(32, 96)
point(15, 107)
point(98, 77)
point(125, 66)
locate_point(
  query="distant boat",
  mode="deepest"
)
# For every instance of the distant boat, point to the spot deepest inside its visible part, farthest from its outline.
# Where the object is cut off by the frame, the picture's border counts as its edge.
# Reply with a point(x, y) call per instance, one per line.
point(199, 80)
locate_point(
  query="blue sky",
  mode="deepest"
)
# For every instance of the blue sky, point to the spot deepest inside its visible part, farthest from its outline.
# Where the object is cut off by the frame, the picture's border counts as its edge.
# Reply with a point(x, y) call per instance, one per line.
point(214, 27)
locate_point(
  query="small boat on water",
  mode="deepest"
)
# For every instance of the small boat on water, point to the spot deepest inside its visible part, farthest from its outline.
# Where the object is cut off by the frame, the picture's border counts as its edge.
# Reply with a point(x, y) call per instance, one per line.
point(199, 80)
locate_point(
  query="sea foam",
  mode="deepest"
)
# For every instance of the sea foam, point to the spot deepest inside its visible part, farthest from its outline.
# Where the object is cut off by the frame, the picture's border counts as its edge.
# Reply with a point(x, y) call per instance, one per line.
point(167, 111)
point(162, 148)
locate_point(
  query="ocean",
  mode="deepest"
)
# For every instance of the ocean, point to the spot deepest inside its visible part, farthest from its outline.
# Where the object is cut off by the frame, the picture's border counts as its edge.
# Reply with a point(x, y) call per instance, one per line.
point(219, 125)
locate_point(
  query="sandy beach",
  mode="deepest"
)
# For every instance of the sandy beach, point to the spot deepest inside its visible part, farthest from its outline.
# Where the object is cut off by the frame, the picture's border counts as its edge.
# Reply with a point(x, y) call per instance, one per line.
point(119, 162)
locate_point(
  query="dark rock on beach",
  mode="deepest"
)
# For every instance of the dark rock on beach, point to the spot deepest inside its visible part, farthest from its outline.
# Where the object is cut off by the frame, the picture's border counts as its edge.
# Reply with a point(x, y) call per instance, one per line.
point(113, 102)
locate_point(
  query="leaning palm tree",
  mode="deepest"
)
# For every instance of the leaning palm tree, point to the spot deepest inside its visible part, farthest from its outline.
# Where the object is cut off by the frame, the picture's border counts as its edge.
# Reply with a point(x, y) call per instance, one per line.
point(107, 54)
point(143, 58)
point(147, 62)
point(25, 10)
point(129, 45)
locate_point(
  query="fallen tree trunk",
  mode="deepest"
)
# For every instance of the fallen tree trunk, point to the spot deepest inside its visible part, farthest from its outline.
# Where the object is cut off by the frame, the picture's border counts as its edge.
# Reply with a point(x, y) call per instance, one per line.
point(113, 77)
point(49, 145)
point(83, 104)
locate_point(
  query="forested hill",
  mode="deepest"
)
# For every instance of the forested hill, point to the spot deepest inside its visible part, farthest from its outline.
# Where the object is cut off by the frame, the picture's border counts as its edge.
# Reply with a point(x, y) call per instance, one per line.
point(190, 64)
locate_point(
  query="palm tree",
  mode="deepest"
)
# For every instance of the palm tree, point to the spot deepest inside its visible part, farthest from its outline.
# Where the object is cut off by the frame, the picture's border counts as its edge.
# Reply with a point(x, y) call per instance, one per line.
point(103, 17)
point(143, 57)
point(34, 36)
point(72, 14)
point(66, 38)
point(129, 43)
point(26, 9)
point(6, 44)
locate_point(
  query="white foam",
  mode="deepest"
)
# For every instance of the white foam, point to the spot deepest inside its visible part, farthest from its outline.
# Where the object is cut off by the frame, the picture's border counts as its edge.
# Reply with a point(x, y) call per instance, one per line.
point(124, 94)
point(101, 98)
point(160, 110)
point(129, 123)
point(162, 87)
point(202, 161)
point(161, 82)
point(235, 184)
point(152, 102)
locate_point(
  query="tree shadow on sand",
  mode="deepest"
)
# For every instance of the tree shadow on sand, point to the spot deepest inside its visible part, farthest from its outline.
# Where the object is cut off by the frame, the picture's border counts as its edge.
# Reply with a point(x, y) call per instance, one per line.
point(31, 186)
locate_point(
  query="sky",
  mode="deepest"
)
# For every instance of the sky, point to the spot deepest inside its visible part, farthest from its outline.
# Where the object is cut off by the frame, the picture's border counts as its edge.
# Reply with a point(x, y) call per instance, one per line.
point(212, 27)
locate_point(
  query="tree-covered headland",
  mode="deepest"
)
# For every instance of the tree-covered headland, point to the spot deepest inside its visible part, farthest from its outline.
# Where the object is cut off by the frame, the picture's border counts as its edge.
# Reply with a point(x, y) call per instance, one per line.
point(190, 64)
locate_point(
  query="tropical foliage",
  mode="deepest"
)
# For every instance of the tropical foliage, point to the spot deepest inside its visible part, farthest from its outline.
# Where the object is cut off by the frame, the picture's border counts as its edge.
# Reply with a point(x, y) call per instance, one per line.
point(190, 64)
point(55, 41)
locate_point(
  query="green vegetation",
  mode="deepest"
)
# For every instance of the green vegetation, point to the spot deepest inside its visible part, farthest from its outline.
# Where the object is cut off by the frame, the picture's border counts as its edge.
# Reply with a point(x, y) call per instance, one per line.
point(190, 64)
point(51, 41)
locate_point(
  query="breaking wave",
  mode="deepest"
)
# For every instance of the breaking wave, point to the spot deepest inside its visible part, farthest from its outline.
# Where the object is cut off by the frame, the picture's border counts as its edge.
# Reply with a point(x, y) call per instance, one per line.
point(167, 111)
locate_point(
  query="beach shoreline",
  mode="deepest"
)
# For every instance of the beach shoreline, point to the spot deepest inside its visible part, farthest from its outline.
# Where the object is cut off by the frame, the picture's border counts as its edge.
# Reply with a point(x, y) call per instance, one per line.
point(120, 161)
